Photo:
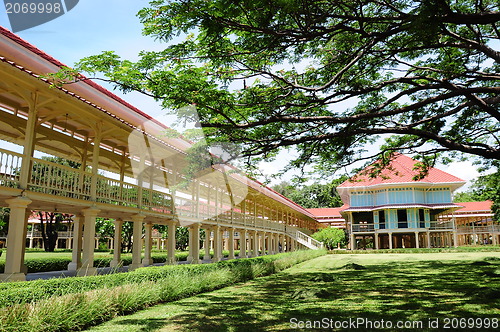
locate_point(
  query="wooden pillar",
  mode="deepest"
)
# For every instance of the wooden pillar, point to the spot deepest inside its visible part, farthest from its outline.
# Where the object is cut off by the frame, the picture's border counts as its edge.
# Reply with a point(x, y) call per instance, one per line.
point(148, 244)
point(194, 249)
point(217, 244)
point(76, 252)
point(243, 243)
point(89, 216)
point(117, 244)
point(263, 244)
point(29, 143)
point(137, 220)
point(206, 245)
point(255, 251)
point(171, 243)
point(16, 240)
point(231, 243)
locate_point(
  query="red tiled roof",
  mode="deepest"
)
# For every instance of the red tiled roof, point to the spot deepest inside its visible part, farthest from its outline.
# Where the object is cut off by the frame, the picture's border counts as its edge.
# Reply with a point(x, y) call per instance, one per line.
point(42, 54)
point(475, 206)
point(400, 170)
point(327, 212)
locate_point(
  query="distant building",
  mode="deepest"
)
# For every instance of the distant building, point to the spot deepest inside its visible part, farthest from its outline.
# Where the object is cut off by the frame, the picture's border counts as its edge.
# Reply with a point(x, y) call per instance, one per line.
point(474, 223)
point(329, 216)
point(393, 210)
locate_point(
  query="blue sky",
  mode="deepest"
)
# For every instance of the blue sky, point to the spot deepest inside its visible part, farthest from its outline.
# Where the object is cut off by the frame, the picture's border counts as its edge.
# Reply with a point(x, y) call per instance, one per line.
point(91, 27)
point(103, 25)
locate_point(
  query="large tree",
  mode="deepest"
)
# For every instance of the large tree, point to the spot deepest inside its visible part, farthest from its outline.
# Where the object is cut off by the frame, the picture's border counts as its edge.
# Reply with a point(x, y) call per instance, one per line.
point(325, 77)
point(314, 195)
point(485, 187)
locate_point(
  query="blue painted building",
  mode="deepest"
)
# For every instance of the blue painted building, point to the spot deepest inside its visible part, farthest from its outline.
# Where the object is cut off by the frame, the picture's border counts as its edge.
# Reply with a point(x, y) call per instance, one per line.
point(397, 209)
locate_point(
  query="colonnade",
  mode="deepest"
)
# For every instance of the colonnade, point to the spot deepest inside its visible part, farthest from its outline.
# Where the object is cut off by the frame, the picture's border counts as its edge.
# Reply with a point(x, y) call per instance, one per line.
point(393, 240)
point(118, 163)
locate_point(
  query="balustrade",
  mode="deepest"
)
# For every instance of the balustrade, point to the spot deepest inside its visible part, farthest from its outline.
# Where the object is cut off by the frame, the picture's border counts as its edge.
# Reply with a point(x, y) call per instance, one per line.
point(64, 181)
point(10, 166)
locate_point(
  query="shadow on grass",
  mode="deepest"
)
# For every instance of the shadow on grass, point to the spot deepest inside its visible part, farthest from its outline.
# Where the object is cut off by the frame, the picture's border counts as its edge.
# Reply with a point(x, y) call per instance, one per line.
point(415, 291)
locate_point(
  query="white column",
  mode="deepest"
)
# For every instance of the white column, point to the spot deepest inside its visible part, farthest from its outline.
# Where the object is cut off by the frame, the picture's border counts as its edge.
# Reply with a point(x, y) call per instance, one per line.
point(16, 240)
point(390, 240)
point(194, 249)
point(455, 238)
point(206, 244)
point(148, 244)
point(76, 252)
point(428, 239)
point(190, 245)
point(231, 243)
point(117, 244)
point(255, 244)
point(29, 143)
point(263, 244)
point(377, 245)
point(171, 243)
point(136, 242)
point(243, 244)
point(277, 242)
point(217, 244)
point(88, 268)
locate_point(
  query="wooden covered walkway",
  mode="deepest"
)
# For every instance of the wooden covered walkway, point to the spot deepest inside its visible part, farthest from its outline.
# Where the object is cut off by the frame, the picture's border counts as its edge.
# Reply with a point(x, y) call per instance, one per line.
point(124, 168)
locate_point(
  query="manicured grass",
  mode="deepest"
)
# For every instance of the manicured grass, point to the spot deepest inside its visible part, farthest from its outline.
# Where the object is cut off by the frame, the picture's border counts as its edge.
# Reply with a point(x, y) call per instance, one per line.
point(480, 248)
point(389, 287)
point(75, 303)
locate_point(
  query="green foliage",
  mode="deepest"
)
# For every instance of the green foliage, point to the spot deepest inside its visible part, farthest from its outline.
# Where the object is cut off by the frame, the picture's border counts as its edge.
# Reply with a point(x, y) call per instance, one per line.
point(39, 305)
point(324, 77)
point(485, 187)
point(181, 238)
point(331, 237)
point(315, 195)
point(104, 227)
point(4, 219)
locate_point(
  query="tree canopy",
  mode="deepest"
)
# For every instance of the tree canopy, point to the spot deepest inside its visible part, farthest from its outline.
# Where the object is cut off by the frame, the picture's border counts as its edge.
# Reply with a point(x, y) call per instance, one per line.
point(331, 237)
point(315, 195)
point(485, 187)
point(324, 77)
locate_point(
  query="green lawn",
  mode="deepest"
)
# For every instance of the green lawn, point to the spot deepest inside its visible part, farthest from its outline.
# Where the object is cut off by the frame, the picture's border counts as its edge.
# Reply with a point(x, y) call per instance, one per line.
point(374, 287)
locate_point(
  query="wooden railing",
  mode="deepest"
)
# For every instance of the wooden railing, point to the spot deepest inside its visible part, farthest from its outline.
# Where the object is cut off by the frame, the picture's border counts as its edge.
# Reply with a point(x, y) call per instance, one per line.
point(303, 239)
point(64, 181)
point(10, 167)
point(433, 225)
point(363, 227)
point(54, 179)
point(478, 229)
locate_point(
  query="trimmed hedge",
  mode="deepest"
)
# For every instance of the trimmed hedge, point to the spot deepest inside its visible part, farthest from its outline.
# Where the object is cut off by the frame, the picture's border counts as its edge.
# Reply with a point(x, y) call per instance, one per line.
point(48, 264)
point(32, 291)
point(76, 303)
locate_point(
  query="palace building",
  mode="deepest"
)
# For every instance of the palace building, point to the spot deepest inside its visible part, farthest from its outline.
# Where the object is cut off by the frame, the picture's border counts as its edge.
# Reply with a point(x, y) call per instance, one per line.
point(397, 209)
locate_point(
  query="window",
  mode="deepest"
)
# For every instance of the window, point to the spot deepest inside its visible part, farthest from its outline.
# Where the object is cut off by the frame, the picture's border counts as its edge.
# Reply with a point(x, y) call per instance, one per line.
point(421, 218)
point(402, 219)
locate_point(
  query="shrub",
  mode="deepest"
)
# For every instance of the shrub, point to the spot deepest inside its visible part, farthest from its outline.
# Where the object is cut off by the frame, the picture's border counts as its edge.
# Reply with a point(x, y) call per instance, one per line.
point(16, 293)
